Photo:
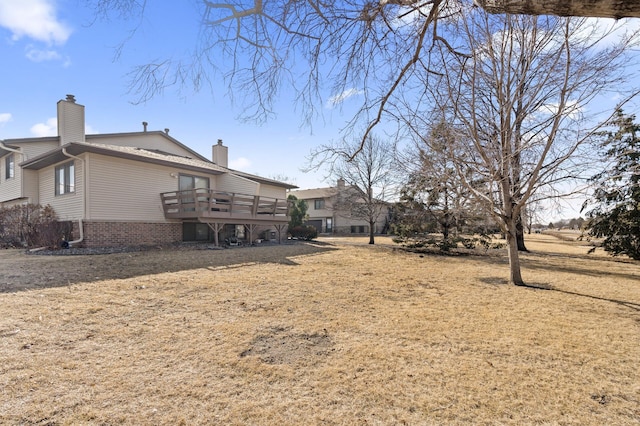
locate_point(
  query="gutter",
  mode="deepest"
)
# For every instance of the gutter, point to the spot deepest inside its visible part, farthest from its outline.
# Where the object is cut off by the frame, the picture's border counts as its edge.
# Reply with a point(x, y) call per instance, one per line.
point(3, 146)
point(84, 197)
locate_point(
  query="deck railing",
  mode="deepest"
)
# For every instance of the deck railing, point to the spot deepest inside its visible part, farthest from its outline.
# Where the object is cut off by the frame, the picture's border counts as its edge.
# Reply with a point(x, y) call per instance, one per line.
point(211, 204)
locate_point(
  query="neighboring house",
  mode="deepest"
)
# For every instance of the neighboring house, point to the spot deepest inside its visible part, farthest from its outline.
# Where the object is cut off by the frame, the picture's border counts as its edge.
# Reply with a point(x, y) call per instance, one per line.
point(138, 188)
point(332, 217)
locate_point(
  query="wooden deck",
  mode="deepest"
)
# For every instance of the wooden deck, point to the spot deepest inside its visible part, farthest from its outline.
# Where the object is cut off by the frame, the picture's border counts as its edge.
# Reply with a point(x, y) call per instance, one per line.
point(211, 206)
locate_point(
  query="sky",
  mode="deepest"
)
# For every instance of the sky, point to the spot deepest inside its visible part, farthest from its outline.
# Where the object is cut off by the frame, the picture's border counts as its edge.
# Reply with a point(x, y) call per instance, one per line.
point(53, 48)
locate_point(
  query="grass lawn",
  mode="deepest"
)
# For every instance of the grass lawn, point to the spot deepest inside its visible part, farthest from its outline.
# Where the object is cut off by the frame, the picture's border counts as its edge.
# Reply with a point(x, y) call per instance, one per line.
point(335, 332)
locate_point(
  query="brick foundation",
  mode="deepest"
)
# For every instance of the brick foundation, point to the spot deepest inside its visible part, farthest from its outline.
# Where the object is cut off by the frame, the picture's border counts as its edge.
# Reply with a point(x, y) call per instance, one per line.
point(111, 234)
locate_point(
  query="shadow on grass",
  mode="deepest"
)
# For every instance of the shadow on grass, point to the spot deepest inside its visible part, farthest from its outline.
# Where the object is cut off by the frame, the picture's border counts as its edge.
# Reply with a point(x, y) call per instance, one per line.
point(27, 272)
point(544, 262)
point(593, 266)
point(632, 305)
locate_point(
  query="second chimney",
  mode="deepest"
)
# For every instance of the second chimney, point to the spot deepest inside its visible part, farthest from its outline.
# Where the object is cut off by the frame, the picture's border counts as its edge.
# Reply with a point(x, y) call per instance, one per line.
point(220, 154)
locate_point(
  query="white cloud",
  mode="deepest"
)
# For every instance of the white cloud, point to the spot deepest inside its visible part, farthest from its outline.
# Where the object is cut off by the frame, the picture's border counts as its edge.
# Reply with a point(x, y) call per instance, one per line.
point(37, 55)
point(48, 128)
point(341, 97)
point(5, 117)
point(35, 19)
point(240, 163)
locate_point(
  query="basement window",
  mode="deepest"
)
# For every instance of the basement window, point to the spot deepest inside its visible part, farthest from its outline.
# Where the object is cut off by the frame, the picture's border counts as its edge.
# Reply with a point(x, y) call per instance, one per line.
point(65, 178)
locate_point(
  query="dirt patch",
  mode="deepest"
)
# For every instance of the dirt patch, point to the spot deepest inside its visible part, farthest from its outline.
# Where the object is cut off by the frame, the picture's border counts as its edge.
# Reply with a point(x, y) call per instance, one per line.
point(281, 345)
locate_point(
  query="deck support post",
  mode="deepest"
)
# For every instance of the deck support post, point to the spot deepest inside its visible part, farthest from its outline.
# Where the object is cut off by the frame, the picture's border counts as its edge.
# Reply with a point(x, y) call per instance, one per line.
point(216, 228)
point(280, 227)
point(251, 228)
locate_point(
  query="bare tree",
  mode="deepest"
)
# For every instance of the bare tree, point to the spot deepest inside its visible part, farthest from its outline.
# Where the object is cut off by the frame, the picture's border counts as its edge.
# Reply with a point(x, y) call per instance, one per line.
point(318, 52)
point(519, 104)
point(369, 178)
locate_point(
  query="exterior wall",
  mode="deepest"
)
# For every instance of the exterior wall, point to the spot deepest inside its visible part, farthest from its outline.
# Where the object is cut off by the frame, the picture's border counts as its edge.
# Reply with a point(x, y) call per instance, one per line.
point(66, 206)
point(149, 140)
point(30, 185)
point(121, 189)
point(10, 189)
point(327, 211)
point(25, 183)
point(237, 184)
point(30, 177)
point(33, 149)
point(273, 191)
point(113, 234)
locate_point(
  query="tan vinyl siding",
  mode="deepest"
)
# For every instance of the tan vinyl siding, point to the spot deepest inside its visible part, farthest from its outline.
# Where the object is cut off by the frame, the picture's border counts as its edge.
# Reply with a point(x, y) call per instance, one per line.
point(152, 141)
point(126, 190)
point(30, 185)
point(273, 191)
point(237, 184)
point(70, 122)
point(25, 183)
point(33, 149)
point(10, 188)
point(66, 206)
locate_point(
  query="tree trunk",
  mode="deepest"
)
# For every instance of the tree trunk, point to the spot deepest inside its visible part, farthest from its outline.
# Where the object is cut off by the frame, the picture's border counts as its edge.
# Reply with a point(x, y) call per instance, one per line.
point(371, 228)
point(592, 8)
point(520, 234)
point(515, 277)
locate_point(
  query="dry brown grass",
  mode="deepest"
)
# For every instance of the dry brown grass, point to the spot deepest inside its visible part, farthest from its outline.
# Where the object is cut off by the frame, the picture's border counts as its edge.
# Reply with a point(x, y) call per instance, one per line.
point(328, 333)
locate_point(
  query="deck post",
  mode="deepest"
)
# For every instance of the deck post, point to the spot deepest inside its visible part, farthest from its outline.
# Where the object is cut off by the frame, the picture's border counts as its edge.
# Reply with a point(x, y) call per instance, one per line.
point(281, 227)
point(251, 228)
point(216, 227)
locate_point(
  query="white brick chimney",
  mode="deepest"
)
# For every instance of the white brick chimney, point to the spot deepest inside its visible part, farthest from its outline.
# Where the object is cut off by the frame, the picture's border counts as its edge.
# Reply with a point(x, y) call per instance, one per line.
point(220, 154)
point(70, 121)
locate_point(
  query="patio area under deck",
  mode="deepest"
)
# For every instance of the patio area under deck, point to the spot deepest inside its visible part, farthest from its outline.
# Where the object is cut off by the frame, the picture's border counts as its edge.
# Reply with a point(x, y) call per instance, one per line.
point(218, 208)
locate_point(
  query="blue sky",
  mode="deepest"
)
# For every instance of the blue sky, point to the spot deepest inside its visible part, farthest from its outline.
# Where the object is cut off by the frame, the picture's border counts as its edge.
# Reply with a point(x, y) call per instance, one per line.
point(52, 48)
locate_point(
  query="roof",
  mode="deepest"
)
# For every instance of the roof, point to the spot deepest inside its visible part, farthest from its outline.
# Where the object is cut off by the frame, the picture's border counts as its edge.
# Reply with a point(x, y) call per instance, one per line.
point(310, 194)
point(140, 154)
point(98, 137)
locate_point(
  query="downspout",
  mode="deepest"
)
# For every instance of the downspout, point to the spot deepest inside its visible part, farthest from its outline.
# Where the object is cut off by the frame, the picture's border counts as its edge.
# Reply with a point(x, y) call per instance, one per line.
point(84, 196)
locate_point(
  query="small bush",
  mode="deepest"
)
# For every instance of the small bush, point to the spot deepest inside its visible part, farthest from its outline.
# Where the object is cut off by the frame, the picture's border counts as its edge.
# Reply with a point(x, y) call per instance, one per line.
point(304, 232)
point(32, 225)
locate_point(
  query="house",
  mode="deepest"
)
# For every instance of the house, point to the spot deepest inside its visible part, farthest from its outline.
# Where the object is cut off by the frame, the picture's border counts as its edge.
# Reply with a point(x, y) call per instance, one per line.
point(137, 188)
point(331, 210)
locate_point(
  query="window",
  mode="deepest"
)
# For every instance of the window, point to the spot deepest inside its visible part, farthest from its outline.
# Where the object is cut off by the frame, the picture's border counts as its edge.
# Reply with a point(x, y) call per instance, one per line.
point(65, 178)
point(318, 204)
point(9, 169)
point(187, 182)
point(193, 182)
point(329, 224)
point(195, 232)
